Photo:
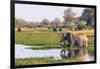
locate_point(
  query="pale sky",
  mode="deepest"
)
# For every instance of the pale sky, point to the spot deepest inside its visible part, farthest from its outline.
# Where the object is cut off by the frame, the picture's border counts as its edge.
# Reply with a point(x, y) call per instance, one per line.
point(37, 13)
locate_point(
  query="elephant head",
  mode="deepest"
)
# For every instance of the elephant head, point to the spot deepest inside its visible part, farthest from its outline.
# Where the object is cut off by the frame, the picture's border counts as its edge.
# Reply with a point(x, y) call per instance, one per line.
point(66, 38)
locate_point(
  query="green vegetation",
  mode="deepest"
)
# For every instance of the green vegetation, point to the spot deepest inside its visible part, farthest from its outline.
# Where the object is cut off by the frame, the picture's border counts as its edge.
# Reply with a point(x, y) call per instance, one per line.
point(44, 60)
point(44, 40)
point(81, 25)
point(40, 39)
point(37, 39)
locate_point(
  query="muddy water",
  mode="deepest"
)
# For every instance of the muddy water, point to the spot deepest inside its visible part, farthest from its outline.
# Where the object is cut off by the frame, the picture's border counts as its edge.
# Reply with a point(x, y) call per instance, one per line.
point(24, 51)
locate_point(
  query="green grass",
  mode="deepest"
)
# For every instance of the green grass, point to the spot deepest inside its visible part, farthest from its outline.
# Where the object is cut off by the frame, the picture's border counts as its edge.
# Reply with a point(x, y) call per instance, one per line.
point(44, 60)
point(38, 31)
point(44, 40)
point(37, 39)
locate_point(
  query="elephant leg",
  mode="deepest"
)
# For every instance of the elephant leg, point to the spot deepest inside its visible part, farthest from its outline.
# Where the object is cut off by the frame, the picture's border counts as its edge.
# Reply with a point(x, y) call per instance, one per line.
point(85, 44)
point(79, 44)
point(64, 43)
point(72, 44)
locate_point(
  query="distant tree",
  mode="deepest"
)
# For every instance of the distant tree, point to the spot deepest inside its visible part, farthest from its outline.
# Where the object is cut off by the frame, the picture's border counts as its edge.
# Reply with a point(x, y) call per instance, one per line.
point(20, 22)
point(54, 29)
point(39, 25)
point(69, 18)
point(29, 25)
point(56, 22)
point(19, 29)
point(88, 16)
point(92, 25)
point(60, 29)
point(45, 21)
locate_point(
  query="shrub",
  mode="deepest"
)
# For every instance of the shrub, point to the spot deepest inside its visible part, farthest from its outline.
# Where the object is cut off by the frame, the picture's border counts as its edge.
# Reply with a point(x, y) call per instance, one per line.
point(19, 29)
point(60, 29)
point(55, 29)
point(81, 25)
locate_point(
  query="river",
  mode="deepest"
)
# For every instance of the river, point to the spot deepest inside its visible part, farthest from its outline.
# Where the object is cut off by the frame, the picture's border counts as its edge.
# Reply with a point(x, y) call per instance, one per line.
point(24, 51)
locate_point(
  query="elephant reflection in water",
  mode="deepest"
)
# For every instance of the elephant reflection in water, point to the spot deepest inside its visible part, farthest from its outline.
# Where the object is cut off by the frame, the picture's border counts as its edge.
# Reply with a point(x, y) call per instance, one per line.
point(80, 54)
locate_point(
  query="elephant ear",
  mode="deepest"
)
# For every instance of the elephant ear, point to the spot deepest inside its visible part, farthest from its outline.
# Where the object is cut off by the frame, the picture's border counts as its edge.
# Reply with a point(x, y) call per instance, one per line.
point(69, 37)
point(62, 38)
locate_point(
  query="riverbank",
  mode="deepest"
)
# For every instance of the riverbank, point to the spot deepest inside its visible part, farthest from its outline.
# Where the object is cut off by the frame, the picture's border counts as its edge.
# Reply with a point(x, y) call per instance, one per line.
point(44, 60)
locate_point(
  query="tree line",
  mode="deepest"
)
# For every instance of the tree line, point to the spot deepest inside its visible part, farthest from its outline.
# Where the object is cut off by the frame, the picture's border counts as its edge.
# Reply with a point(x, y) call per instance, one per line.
point(70, 21)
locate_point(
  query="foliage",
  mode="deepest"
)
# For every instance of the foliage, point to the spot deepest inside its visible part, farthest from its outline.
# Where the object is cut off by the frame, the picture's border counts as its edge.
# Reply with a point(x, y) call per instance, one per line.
point(60, 29)
point(69, 18)
point(19, 29)
point(88, 16)
point(56, 23)
point(81, 25)
point(45, 21)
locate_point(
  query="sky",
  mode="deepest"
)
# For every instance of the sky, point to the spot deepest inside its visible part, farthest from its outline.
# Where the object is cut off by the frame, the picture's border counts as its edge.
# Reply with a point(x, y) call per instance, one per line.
point(37, 13)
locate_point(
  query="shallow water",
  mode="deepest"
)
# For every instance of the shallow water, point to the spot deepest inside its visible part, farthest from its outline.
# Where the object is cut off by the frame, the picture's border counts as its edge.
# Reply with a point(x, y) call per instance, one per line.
point(21, 51)
point(24, 51)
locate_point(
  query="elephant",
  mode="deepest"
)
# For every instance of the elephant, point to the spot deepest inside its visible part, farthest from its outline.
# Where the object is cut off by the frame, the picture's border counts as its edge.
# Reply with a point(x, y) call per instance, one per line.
point(74, 40)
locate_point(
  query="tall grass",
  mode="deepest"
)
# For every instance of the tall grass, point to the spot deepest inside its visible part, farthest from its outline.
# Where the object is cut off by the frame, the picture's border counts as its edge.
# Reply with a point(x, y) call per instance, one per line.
point(44, 60)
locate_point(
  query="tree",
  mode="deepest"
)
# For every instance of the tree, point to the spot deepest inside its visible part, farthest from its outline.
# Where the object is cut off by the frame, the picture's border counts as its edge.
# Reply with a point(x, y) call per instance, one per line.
point(20, 22)
point(69, 17)
point(60, 29)
point(81, 25)
point(56, 22)
point(45, 21)
point(88, 16)
point(19, 29)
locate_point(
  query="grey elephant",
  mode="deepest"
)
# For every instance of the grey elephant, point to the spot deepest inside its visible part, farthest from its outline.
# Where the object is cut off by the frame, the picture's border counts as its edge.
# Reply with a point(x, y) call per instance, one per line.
point(71, 40)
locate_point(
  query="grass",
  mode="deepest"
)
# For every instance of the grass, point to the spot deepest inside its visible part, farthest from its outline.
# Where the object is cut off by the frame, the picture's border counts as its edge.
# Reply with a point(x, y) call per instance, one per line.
point(44, 60)
point(43, 40)
point(37, 39)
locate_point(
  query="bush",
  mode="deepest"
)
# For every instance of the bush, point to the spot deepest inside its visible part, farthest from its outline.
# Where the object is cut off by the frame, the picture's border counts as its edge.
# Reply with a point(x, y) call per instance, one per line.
point(55, 29)
point(60, 29)
point(81, 25)
point(19, 29)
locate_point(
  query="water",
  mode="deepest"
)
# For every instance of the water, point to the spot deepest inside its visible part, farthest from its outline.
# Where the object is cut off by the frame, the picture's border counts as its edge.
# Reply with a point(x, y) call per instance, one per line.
point(24, 51)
